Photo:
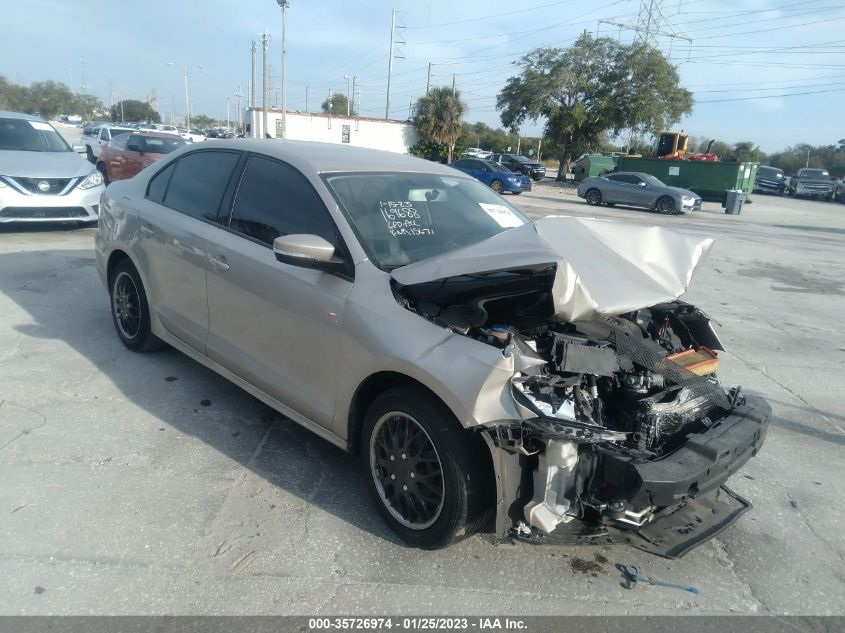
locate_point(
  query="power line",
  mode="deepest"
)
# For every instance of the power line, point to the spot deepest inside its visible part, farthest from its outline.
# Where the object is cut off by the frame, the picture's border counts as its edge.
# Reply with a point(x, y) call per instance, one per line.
point(790, 94)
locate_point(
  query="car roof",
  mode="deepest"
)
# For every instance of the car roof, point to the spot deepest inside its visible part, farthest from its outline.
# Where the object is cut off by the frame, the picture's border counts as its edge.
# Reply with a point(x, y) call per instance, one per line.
point(331, 157)
point(8, 114)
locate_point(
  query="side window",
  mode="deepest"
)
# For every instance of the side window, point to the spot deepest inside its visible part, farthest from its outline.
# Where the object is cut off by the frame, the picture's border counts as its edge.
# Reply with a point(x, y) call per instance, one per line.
point(198, 183)
point(462, 163)
point(158, 185)
point(104, 133)
point(275, 199)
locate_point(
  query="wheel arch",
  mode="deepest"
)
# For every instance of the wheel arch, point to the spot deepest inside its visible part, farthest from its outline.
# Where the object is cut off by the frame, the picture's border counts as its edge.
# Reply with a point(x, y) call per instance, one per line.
point(369, 390)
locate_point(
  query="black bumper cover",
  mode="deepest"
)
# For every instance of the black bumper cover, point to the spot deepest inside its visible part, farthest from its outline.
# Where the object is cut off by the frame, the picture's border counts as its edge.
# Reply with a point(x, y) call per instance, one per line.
point(701, 465)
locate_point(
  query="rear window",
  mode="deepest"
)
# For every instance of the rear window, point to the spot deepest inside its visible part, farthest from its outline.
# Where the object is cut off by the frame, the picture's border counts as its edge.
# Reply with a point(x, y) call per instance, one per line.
point(769, 172)
point(161, 145)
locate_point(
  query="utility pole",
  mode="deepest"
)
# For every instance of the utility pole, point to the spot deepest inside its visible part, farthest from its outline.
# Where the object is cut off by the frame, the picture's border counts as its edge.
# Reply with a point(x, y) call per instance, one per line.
point(187, 102)
point(808, 159)
point(348, 95)
point(82, 82)
point(393, 41)
point(353, 96)
point(306, 99)
point(228, 118)
point(331, 102)
point(428, 79)
point(284, 4)
point(265, 43)
point(238, 94)
point(454, 76)
point(410, 106)
point(252, 87)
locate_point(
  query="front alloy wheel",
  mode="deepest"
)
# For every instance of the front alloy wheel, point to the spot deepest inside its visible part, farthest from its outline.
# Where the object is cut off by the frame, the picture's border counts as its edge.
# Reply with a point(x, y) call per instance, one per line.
point(593, 197)
point(431, 480)
point(496, 186)
point(406, 470)
point(665, 205)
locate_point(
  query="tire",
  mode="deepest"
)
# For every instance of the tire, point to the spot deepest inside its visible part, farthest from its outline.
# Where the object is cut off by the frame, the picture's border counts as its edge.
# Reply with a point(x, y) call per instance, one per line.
point(516, 193)
point(130, 310)
point(537, 178)
point(458, 497)
point(593, 197)
point(665, 205)
point(496, 186)
point(89, 154)
point(105, 172)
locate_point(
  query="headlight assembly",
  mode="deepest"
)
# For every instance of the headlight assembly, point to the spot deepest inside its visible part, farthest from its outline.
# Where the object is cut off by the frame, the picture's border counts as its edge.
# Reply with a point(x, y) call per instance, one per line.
point(94, 179)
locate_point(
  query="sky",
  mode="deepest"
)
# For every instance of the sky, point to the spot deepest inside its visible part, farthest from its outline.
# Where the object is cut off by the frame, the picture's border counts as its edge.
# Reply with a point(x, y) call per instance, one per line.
point(767, 71)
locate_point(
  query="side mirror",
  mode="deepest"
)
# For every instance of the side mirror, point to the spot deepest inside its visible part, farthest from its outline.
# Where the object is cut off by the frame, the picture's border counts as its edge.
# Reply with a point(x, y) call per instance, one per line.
point(307, 251)
point(642, 184)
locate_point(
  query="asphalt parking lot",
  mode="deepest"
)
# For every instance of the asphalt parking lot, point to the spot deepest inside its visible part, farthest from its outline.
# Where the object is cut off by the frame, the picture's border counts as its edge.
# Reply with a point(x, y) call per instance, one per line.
point(146, 484)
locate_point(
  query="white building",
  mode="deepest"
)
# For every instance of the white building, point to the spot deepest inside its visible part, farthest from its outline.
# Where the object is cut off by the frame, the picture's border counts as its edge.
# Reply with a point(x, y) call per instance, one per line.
point(384, 134)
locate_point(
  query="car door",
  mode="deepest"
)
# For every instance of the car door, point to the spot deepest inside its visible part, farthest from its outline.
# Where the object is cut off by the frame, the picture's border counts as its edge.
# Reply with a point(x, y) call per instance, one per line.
point(275, 325)
point(641, 193)
point(102, 139)
point(178, 217)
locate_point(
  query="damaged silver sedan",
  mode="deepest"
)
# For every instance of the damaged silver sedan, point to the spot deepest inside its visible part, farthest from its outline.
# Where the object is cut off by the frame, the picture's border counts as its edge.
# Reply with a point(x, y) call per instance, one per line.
point(540, 379)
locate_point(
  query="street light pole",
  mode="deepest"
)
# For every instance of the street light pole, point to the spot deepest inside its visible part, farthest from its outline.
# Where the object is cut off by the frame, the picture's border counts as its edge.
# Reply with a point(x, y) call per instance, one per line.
point(284, 4)
point(348, 95)
point(187, 102)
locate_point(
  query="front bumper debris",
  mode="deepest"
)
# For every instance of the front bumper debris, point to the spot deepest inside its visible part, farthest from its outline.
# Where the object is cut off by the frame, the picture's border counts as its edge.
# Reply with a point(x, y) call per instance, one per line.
point(703, 463)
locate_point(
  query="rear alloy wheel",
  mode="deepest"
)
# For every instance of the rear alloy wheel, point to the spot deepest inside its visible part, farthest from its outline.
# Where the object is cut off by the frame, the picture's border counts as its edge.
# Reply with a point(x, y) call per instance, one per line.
point(496, 186)
point(420, 467)
point(129, 308)
point(593, 197)
point(665, 205)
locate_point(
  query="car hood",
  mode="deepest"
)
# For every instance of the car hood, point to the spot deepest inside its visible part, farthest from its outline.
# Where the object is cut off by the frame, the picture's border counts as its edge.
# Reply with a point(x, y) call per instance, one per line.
point(603, 267)
point(684, 192)
point(43, 164)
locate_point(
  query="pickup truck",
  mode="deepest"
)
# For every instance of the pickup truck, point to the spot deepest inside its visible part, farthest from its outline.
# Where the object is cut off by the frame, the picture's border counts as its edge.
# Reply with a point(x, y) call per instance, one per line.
point(95, 137)
point(815, 183)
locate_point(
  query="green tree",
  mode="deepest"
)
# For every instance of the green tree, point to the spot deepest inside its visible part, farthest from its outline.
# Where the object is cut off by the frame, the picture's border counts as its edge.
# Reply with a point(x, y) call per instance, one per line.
point(203, 121)
point(438, 118)
point(748, 151)
point(593, 88)
point(132, 110)
point(338, 105)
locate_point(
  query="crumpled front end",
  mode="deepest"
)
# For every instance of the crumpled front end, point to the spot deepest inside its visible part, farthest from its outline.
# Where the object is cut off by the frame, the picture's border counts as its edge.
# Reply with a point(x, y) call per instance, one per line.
point(622, 420)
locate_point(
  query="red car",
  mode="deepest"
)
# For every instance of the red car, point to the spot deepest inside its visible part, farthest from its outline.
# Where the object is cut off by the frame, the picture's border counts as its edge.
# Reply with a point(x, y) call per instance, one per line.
point(127, 154)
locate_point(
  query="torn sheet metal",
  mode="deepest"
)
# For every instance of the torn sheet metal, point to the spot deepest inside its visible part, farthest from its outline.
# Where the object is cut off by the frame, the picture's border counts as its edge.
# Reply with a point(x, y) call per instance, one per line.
point(604, 267)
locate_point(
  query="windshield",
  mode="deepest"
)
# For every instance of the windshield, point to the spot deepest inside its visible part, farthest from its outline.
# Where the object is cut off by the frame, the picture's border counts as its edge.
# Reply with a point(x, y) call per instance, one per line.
point(30, 136)
point(651, 180)
point(117, 132)
point(158, 145)
point(769, 172)
point(814, 173)
point(401, 218)
point(497, 167)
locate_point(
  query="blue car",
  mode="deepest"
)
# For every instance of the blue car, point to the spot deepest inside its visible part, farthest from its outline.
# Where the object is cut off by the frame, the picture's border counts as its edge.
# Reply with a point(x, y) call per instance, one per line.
point(498, 177)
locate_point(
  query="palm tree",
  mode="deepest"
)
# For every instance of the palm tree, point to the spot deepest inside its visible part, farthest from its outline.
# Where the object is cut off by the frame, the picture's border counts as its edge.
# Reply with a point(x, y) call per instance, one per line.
point(438, 117)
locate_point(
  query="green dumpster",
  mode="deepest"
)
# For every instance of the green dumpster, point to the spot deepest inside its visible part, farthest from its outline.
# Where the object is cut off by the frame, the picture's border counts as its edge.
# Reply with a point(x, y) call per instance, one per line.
point(592, 165)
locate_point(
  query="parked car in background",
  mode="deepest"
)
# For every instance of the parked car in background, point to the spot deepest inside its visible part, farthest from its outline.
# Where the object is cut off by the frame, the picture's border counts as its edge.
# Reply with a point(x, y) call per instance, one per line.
point(498, 177)
point(487, 369)
point(638, 190)
point(521, 164)
point(196, 136)
point(95, 137)
point(770, 180)
point(128, 154)
point(41, 178)
point(477, 152)
point(815, 183)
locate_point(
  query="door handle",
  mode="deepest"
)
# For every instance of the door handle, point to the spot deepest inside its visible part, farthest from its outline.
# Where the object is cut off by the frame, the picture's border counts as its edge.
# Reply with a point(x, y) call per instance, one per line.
point(147, 229)
point(220, 264)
